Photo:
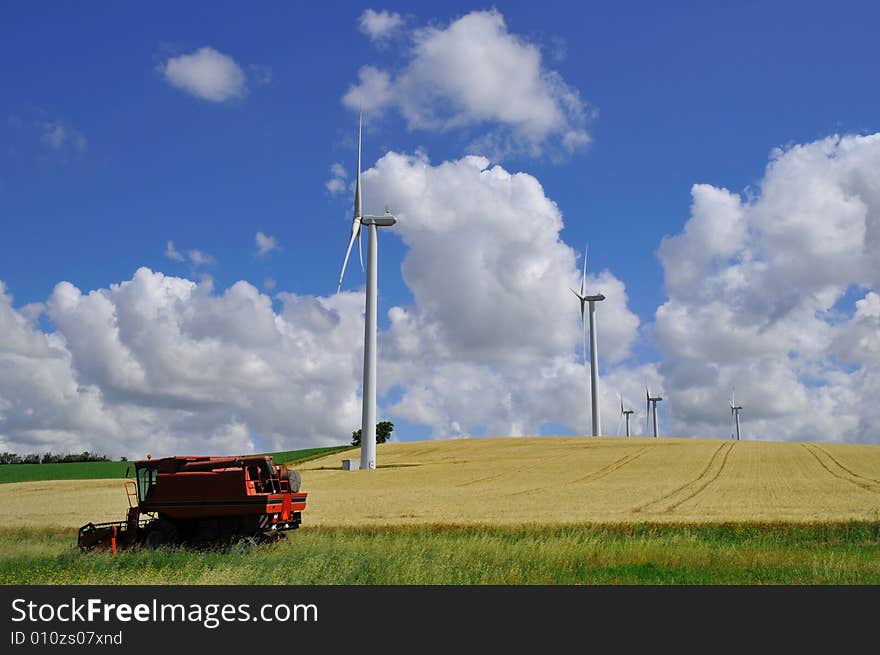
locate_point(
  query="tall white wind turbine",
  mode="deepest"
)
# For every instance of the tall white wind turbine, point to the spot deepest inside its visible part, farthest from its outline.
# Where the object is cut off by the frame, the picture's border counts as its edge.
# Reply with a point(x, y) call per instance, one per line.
point(368, 416)
point(734, 413)
point(652, 404)
point(624, 414)
point(594, 348)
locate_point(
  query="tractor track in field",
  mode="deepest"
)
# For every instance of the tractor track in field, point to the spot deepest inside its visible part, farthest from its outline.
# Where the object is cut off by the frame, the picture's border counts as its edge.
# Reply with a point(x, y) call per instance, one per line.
point(421, 451)
point(709, 481)
point(692, 488)
point(496, 476)
point(598, 474)
point(608, 469)
point(868, 484)
point(851, 472)
point(478, 480)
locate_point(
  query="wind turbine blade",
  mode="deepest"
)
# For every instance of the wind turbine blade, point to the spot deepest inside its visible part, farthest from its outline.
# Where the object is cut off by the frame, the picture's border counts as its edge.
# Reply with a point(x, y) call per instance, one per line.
point(620, 418)
point(360, 250)
point(581, 298)
point(357, 183)
point(584, 278)
point(354, 232)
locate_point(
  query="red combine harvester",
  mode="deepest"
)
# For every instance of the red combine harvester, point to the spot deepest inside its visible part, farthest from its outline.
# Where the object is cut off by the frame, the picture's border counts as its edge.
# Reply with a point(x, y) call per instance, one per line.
point(203, 500)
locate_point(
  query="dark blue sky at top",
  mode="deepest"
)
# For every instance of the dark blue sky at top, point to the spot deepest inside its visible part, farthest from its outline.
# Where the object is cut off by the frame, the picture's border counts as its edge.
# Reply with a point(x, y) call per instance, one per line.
point(683, 92)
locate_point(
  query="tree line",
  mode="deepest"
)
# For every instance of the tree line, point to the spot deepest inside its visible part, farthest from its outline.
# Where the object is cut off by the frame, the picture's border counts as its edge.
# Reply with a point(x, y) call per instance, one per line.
point(52, 458)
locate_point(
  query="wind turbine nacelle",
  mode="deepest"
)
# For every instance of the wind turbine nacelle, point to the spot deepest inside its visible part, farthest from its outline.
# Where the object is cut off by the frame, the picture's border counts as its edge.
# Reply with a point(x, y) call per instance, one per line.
point(379, 221)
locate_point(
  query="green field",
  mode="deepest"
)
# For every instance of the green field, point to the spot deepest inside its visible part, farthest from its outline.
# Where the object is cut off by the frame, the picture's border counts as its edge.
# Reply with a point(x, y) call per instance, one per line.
point(110, 470)
point(68, 471)
point(822, 553)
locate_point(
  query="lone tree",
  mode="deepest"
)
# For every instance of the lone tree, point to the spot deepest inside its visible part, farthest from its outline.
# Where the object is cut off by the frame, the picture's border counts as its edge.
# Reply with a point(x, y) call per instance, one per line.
point(383, 433)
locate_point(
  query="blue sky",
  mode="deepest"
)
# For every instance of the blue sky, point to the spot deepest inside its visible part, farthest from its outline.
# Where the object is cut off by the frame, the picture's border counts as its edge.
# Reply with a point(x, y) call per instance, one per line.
point(671, 94)
point(685, 93)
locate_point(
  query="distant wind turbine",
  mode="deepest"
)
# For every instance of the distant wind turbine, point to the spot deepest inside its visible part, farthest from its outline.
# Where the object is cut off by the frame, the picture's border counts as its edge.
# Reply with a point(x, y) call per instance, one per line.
point(594, 348)
point(651, 404)
point(734, 413)
point(624, 414)
point(368, 416)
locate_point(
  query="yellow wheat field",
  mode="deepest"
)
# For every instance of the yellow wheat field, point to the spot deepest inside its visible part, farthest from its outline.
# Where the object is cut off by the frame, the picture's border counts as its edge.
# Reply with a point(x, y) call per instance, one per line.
point(540, 480)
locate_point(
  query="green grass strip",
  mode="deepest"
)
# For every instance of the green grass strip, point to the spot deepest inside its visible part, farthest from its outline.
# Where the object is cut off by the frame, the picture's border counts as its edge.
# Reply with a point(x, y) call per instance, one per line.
point(753, 554)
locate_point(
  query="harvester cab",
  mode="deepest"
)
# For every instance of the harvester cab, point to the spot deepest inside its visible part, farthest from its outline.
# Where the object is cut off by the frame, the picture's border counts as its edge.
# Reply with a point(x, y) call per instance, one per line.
point(146, 474)
point(205, 500)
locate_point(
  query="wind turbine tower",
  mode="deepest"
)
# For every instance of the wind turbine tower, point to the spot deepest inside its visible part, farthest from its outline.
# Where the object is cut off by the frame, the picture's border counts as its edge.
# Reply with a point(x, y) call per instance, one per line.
point(594, 348)
point(734, 413)
point(652, 405)
point(625, 414)
point(368, 416)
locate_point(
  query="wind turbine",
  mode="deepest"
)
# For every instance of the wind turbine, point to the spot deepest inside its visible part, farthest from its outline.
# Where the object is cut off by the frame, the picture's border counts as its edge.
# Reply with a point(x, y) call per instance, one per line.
point(734, 413)
point(594, 352)
point(624, 414)
point(368, 416)
point(651, 402)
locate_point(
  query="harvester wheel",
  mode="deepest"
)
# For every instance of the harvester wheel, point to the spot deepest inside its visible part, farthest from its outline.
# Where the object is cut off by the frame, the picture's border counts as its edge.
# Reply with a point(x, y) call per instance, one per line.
point(160, 533)
point(271, 537)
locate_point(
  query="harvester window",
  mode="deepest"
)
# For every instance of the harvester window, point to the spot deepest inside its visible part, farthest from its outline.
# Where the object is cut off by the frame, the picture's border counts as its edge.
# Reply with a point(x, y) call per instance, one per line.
point(269, 474)
point(146, 481)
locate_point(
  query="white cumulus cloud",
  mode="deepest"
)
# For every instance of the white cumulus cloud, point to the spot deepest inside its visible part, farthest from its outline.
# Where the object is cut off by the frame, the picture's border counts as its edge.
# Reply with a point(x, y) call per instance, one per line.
point(207, 74)
point(492, 341)
point(336, 183)
point(199, 258)
point(474, 72)
point(265, 244)
point(758, 299)
point(164, 365)
point(172, 253)
point(379, 25)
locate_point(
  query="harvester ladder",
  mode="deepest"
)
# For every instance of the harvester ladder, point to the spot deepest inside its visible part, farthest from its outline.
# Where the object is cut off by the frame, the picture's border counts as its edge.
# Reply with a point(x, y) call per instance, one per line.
point(131, 492)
